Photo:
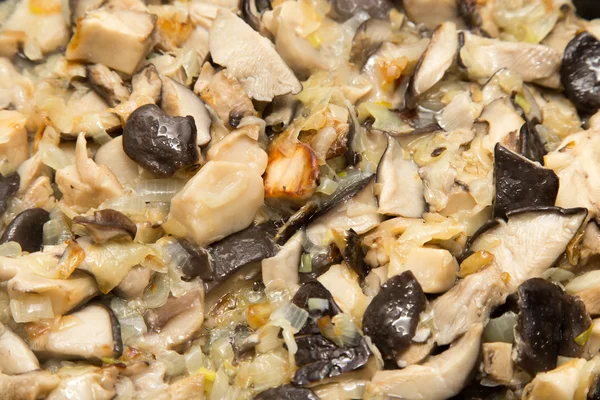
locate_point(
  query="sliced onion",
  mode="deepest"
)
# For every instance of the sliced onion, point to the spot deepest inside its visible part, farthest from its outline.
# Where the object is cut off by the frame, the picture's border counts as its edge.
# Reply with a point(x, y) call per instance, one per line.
point(56, 231)
point(130, 318)
point(582, 282)
point(158, 189)
point(194, 359)
point(157, 293)
point(268, 370)
point(220, 386)
point(327, 186)
point(501, 329)
point(10, 249)
point(315, 304)
point(557, 275)
point(295, 315)
point(174, 362)
point(129, 205)
point(268, 337)
point(31, 307)
point(340, 329)
point(305, 263)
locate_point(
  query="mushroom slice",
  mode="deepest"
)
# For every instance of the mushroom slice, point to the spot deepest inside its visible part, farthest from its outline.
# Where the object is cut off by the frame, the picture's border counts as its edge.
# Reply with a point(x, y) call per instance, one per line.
point(178, 100)
point(221, 199)
point(90, 333)
point(13, 141)
point(298, 52)
point(146, 89)
point(63, 294)
point(578, 72)
point(368, 37)
point(521, 183)
point(241, 146)
point(504, 123)
point(482, 57)
point(460, 113)
point(401, 187)
point(342, 283)
point(115, 37)
point(251, 58)
point(31, 385)
point(284, 265)
point(436, 60)
point(107, 225)
point(438, 378)
point(9, 185)
point(432, 13)
point(27, 229)
point(391, 318)
point(497, 362)
point(15, 356)
point(435, 269)
point(124, 168)
point(79, 8)
point(107, 84)
point(226, 96)
point(576, 163)
point(134, 284)
point(548, 323)
point(560, 383)
point(587, 288)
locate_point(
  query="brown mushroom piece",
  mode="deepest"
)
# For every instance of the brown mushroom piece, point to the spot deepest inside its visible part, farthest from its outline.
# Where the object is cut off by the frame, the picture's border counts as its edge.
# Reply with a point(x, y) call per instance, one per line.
point(31, 385)
point(27, 229)
point(107, 225)
point(159, 143)
point(432, 13)
point(9, 185)
point(107, 84)
point(368, 37)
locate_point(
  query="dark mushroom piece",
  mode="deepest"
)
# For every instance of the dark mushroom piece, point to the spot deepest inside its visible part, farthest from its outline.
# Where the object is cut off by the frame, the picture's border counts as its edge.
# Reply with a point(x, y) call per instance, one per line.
point(521, 183)
point(353, 253)
point(9, 185)
point(108, 84)
point(392, 317)
point(198, 263)
point(548, 323)
point(107, 225)
point(313, 289)
point(341, 10)
point(159, 143)
point(530, 143)
point(27, 229)
point(367, 39)
point(280, 112)
point(578, 73)
point(287, 392)
point(252, 11)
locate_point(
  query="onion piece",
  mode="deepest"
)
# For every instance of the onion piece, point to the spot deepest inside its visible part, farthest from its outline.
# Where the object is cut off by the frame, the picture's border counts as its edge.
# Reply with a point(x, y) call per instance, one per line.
point(327, 186)
point(501, 329)
point(315, 304)
point(340, 329)
point(10, 249)
point(295, 315)
point(157, 293)
point(158, 189)
point(31, 307)
point(557, 275)
point(194, 360)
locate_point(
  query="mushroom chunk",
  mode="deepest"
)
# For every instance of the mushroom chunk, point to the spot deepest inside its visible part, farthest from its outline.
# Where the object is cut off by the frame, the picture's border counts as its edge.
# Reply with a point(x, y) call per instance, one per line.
point(319, 359)
point(547, 325)
point(344, 9)
point(27, 229)
point(283, 267)
point(115, 37)
point(250, 58)
point(13, 141)
point(353, 253)
point(9, 185)
point(392, 316)
point(560, 383)
point(198, 264)
point(287, 392)
point(252, 11)
point(91, 333)
point(578, 73)
point(436, 59)
point(94, 384)
point(313, 289)
point(402, 189)
point(221, 199)
point(440, 377)
point(159, 143)
point(368, 37)
point(431, 13)
point(15, 356)
point(107, 84)
point(124, 168)
point(179, 101)
point(28, 386)
point(107, 225)
point(521, 183)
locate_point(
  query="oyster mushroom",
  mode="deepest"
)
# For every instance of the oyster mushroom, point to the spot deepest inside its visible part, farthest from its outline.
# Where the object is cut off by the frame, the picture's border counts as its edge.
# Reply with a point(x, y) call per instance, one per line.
point(391, 318)
point(178, 100)
point(115, 37)
point(107, 225)
point(297, 52)
point(27, 229)
point(578, 72)
point(159, 143)
point(438, 378)
point(90, 333)
point(250, 58)
point(15, 356)
point(401, 187)
point(107, 84)
point(521, 183)
point(134, 284)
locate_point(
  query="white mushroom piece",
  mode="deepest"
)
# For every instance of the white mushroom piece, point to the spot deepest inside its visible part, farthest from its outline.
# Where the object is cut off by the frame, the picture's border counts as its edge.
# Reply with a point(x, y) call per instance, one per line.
point(560, 383)
point(92, 383)
point(540, 235)
point(438, 378)
point(108, 84)
point(436, 59)
point(117, 38)
point(431, 13)
point(178, 100)
point(283, 267)
point(251, 58)
point(587, 288)
point(31, 385)
point(90, 333)
point(112, 155)
point(146, 89)
point(399, 184)
point(483, 57)
point(13, 141)
point(241, 146)
point(497, 362)
point(15, 356)
point(86, 184)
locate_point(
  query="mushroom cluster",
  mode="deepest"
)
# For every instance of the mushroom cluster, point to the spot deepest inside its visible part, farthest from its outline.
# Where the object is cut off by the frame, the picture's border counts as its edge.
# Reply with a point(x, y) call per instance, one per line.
point(299, 199)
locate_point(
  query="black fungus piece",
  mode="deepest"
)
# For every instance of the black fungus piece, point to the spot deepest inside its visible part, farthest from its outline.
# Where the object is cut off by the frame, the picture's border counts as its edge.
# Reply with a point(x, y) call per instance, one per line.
point(520, 183)
point(107, 225)
point(313, 348)
point(476, 391)
point(579, 72)
point(313, 289)
point(322, 261)
point(287, 392)
point(252, 244)
point(9, 185)
point(548, 322)
point(160, 143)
point(315, 208)
point(199, 263)
point(353, 253)
point(330, 363)
point(27, 229)
point(341, 10)
point(467, 9)
point(392, 317)
point(530, 144)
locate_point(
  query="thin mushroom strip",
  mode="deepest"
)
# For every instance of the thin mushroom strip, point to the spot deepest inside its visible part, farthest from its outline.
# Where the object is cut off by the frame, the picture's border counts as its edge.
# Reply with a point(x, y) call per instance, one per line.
point(299, 199)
